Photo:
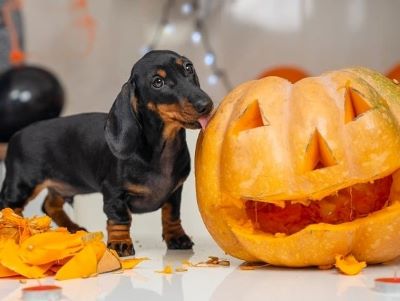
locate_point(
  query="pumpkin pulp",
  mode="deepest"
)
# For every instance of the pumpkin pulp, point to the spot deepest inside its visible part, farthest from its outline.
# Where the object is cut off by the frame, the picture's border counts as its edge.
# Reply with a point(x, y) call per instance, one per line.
point(343, 206)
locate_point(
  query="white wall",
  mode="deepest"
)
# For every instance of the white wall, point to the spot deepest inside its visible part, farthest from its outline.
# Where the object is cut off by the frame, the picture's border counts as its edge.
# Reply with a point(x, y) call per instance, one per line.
point(248, 36)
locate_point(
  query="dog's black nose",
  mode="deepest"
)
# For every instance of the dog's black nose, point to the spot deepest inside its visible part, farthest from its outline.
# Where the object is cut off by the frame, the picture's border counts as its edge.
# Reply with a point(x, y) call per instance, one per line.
point(203, 106)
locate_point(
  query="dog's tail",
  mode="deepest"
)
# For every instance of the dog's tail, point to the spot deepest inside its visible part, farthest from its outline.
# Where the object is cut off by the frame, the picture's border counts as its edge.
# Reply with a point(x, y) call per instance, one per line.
point(2, 176)
point(3, 186)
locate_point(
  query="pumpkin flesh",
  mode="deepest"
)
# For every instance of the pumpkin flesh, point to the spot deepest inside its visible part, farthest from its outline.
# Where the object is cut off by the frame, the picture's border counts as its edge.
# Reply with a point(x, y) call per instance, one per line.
point(343, 206)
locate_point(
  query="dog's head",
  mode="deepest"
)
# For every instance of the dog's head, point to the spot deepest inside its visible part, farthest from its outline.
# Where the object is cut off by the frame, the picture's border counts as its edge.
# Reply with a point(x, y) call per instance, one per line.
point(164, 84)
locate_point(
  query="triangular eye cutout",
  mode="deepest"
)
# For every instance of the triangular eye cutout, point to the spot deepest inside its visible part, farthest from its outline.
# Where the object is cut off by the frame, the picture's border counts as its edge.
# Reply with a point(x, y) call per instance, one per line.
point(354, 104)
point(318, 154)
point(251, 118)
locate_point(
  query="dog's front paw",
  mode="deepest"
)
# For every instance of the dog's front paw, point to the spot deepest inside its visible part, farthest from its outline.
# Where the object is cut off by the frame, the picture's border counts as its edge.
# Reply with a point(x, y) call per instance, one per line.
point(123, 248)
point(182, 242)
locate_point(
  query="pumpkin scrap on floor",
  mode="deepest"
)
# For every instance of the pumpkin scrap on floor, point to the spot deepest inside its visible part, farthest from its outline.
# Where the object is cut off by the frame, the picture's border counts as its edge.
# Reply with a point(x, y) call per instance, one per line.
point(29, 248)
point(251, 266)
point(166, 270)
point(212, 261)
point(348, 265)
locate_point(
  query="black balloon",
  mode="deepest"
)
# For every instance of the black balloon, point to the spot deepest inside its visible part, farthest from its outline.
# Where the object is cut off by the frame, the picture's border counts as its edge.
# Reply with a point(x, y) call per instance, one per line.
point(27, 94)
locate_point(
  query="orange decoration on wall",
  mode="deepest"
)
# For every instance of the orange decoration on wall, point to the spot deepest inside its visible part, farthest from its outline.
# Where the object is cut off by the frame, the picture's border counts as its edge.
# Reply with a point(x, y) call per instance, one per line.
point(292, 74)
point(17, 56)
point(394, 73)
point(85, 21)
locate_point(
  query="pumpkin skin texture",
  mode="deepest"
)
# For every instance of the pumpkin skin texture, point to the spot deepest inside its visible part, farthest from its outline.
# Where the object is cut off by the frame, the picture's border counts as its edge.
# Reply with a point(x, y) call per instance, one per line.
point(271, 141)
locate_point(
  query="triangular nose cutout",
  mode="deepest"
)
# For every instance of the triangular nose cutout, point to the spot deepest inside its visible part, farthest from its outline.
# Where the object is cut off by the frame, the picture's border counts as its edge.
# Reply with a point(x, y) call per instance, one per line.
point(251, 118)
point(354, 105)
point(318, 154)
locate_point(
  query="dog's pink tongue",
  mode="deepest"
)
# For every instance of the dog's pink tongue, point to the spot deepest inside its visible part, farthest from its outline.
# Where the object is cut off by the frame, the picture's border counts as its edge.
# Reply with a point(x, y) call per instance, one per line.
point(204, 121)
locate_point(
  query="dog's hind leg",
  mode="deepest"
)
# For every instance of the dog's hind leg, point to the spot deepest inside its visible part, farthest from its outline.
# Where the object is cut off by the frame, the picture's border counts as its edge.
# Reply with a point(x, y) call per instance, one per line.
point(17, 192)
point(53, 206)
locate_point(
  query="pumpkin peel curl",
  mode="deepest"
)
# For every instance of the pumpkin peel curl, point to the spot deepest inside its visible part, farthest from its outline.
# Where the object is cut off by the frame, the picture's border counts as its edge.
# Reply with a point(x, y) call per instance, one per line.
point(14, 226)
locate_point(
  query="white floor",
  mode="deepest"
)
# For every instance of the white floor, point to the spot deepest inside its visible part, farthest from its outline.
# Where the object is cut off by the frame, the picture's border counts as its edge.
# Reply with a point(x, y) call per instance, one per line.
point(213, 283)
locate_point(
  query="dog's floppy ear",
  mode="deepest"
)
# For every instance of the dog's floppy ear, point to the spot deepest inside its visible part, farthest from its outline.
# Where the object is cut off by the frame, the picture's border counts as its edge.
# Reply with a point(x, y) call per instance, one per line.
point(122, 128)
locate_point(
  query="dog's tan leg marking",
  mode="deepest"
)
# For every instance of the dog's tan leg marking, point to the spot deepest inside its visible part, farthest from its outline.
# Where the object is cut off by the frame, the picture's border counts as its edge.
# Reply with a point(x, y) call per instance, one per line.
point(54, 207)
point(170, 228)
point(119, 238)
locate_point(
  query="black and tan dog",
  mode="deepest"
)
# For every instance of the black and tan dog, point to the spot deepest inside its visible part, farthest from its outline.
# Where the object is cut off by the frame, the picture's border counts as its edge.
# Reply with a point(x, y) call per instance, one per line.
point(136, 156)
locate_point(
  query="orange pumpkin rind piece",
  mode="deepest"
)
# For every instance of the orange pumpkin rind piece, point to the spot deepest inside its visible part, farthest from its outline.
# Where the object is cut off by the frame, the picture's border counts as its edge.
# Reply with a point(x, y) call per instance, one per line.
point(128, 264)
point(109, 262)
point(51, 246)
point(348, 265)
point(5, 272)
point(9, 258)
point(82, 265)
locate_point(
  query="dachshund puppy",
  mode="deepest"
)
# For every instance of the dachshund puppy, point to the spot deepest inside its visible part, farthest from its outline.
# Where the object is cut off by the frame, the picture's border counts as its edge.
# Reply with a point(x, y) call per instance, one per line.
point(136, 155)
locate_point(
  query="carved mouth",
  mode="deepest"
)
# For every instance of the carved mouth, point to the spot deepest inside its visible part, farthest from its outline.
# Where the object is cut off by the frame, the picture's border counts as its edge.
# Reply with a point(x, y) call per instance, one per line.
point(345, 205)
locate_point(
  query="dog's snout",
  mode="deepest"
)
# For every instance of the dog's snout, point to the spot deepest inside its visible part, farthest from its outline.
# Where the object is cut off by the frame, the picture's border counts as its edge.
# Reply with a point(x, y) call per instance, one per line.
point(203, 106)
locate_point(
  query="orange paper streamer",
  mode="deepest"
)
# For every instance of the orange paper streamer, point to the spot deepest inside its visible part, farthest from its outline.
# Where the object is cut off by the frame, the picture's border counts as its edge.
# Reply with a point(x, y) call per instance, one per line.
point(17, 56)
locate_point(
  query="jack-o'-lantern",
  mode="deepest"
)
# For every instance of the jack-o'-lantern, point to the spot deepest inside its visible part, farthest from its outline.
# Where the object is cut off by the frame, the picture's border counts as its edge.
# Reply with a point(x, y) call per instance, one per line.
point(296, 174)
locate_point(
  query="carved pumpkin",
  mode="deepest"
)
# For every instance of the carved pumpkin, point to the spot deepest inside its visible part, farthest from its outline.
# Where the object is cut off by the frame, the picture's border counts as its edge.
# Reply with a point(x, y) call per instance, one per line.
point(296, 174)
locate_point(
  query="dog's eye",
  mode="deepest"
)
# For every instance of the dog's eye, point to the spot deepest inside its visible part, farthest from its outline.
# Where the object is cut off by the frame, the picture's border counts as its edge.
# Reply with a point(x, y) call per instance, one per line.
point(189, 68)
point(158, 82)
